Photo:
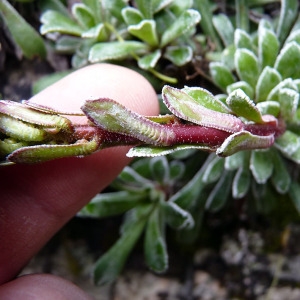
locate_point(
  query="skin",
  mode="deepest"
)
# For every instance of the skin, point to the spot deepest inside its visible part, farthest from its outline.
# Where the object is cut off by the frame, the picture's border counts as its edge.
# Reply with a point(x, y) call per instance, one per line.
point(38, 199)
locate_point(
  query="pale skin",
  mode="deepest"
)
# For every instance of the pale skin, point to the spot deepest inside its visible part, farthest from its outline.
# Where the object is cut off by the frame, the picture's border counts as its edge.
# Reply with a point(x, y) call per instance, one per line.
point(37, 200)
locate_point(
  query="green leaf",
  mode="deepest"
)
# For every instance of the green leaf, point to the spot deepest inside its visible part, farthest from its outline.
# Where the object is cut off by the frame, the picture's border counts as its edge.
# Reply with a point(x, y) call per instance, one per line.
point(286, 83)
point(131, 15)
point(242, 39)
point(179, 56)
point(288, 60)
point(53, 21)
point(234, 161)
point(181, 26)
point(176, 217)
point(289, 145)
point(294, 37)
point(221, 75)
point(114, 7)
point(244, 140)
point(281, 178)
point(268, 46)
point(288, 15)
point(218, 196)
point(83, 15)
point(241, 85)
point(116, 50)
point(149, 61)
point(269, 108)
point(185, 107)
point(288, 100)
point(294, 194)
point(224, 28)
point(110, 204)
point(247, 66)
point(155, 248)
point(130, 177)
point(267, 80)
point(213, 170)
point(241, 182)
point(109, 266)
point(145, 31)
point(95, 8)
point(97, 33)
point(160, 169)
point(23, 34)
point(261, 165)
point(243, 106)
point(228, 56)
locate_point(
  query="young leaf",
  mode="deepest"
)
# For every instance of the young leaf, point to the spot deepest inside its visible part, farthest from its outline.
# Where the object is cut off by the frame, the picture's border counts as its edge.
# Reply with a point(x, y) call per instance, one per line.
point(218, 196)
point(145, 31)
point(225, 28)
point(179, 56)
point(160, 169)
point(261, 165)
point(241, 85)
point(242, 39)
point(288, 60)
point(23, 34)
point(97, 33)
point(288, 100)
point(243, 106)
point(241, 182)
point(185, 107)
point(131, 15)
point(244, 140)
point(108, 267)
point(116, 50)
point(53, 21)
point(247, 66)
point(267, 80)
point(149, 61)
point(182, 25)
point(83, 15)
point(155, 248)
point(234, 161)
point(269, 108)
point(176, 217)
point(221, 75)
point(286, 83)
point(289, 145)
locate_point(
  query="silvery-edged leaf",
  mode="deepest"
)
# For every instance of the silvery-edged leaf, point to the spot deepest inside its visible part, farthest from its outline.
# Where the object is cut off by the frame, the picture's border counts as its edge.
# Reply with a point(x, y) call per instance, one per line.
point(181, 25)
point(130, 177)
point(241, 85)
point(228, 57)
point(221, 75)
point(268, 46)
point(176, 217)
point(267, 81)
point(288, 15)
point(242, 39)
point(114, 117)
point(289, 145)
point(261, 165)
point(241, 182)
point(155, 247)
point(108, 267)
point(244, 140)
point(286, 83)
point(281, 178)
point(288, 100)
point(83, 15)
point(219, 194)
point(160, 170)
point(294, 193)
point(234, 161)
point(116, 50)
point(293, 37)
point(224, 28)
point(288, 61)
point(145, 31)
point(67, 44)
point(244, 107)
point(186, 107)
point(95, 8)
point(178, 6)
point(205, 98)
point(97, 32)
point(177, 169)
point(42, 153)
point(131, 15)
point(111, 204)
point(213, 170)
point(247, 66)
point(269, 108)
point(152, 151)
point(149, 61)
point(53, 21)
point(179, 55)
point(22, 33)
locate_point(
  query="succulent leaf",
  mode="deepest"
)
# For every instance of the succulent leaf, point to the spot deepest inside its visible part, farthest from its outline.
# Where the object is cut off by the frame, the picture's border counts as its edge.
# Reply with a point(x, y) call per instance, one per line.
point(261, 165)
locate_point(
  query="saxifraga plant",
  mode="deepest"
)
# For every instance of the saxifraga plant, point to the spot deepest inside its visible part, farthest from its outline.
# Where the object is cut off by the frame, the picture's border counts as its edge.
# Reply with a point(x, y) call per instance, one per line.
point(254, 124)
